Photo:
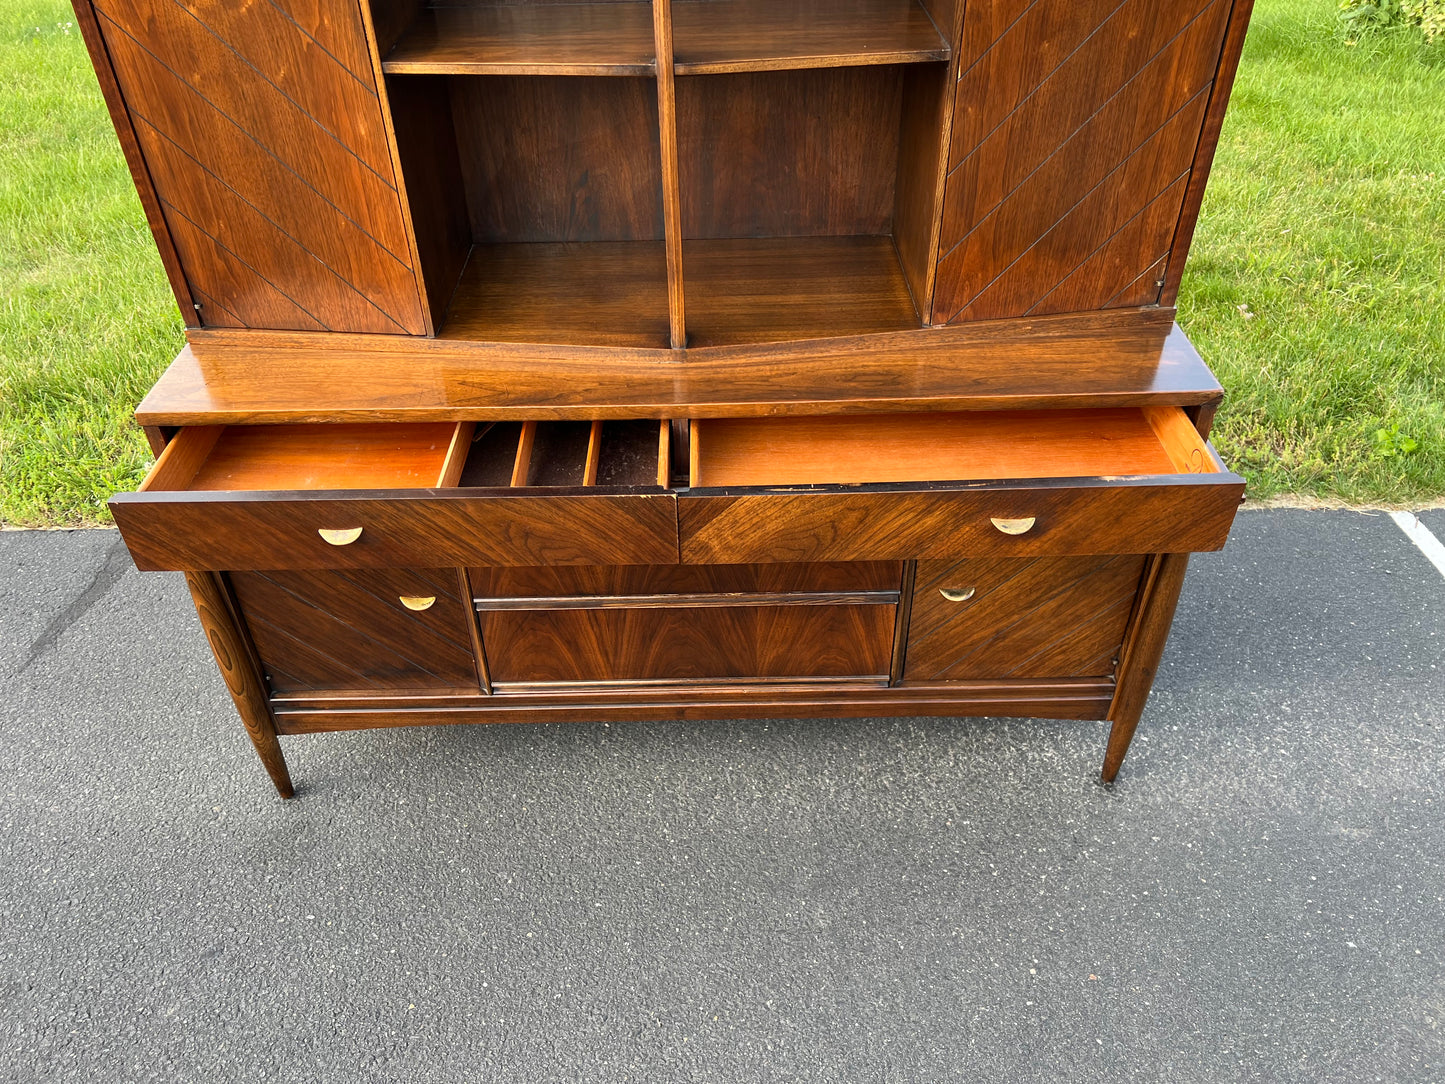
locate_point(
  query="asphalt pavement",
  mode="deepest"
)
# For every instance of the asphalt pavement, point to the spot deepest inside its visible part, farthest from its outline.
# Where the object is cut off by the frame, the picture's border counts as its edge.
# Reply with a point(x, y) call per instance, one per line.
point(1261, 897)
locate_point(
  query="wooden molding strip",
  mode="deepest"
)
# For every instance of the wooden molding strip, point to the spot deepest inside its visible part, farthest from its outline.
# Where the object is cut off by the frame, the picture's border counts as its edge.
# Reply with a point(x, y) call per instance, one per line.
point(690, 601)
point(1137, 358)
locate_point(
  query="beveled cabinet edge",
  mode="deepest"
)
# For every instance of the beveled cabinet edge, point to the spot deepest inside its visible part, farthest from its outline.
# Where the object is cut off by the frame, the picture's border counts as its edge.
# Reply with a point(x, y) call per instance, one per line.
point(1139, 358)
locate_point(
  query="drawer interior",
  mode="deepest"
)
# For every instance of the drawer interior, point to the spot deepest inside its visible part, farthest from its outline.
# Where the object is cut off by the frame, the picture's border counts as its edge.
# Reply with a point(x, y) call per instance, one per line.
point(332, 456)
point(942, 447)
point(617, 454)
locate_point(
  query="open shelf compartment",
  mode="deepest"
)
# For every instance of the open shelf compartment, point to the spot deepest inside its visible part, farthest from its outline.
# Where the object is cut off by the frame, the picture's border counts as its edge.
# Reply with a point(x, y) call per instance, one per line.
point(709, 36)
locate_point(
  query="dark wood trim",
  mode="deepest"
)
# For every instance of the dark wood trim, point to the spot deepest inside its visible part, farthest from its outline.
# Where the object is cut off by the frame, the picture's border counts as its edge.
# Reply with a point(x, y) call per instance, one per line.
point(139, 171)
point(474, 629)
point(268, 377)
point(1203, 418)
point(900, 621)
point(297, 714)
point(1139, 662)
point(671, 178)
point(710, 600)
point(1223, 83)
point(157, 437)
point(243, 677)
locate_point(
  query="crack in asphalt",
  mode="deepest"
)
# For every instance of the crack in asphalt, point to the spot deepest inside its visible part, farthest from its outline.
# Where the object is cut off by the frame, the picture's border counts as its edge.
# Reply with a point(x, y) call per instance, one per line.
point(117, 563)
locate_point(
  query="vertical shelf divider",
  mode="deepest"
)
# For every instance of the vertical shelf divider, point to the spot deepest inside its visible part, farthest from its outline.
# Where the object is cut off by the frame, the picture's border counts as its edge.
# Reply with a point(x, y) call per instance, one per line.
point(671, 180)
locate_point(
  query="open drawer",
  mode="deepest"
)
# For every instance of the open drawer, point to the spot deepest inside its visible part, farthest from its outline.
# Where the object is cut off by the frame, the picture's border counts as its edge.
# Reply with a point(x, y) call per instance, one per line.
point(1014, 483)
point(404, 495)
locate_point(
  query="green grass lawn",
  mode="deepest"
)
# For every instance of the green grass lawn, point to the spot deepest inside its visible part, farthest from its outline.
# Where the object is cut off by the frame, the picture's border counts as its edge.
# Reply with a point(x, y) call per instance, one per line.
point(1325, 222)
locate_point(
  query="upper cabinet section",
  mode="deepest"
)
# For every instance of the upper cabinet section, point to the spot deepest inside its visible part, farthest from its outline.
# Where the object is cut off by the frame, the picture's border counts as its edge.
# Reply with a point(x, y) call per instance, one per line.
point(668, 174)
point(1076, 151)
point(260, 133)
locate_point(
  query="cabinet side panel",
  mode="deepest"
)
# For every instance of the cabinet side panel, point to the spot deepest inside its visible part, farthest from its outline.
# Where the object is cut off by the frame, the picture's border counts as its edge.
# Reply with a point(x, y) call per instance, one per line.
point(1074, 133)
point(268, 153)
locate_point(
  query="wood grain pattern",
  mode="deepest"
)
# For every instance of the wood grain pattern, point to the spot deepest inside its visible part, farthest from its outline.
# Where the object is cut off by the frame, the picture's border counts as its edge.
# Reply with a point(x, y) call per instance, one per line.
point(714, 36)
point(271, 165)
point(1086, 360)
point(603, 292)
point(789, 154)
point(550, 158)
point(192, 531)
point(776, 289)
point(1075, 127)
point(1047, 617)
point(1142, 651)
point(316, 631)
point(694, 644)
point(298, 714)
point(612, 581)
point(935, 447)
point(1073, 517)
point(243, 679)
point(115, 105)
point(527, 39)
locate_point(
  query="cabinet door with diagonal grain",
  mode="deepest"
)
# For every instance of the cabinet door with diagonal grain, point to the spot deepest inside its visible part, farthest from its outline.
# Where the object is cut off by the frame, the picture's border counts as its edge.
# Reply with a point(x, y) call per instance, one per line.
point(1074, 143)
point(1046, 617)
point(263, 138)
point(378, 629)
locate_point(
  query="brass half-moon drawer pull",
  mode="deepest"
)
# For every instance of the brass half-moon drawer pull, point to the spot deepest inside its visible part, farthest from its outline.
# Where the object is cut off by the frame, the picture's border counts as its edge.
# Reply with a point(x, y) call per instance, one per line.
point(1013, 526)
point(956, 596)
point(416, 602)
point(343, 537)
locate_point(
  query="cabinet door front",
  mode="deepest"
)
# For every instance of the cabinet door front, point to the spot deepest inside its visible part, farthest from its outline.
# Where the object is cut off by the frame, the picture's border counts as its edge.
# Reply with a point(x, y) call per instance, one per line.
point(369, 629)
point(1046, 617)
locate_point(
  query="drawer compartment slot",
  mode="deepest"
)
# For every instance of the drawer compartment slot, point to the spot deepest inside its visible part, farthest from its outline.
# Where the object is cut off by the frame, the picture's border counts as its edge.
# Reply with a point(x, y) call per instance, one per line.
point(556, 454)
point(1026, 483)
point(845, 450)
point(230, 458)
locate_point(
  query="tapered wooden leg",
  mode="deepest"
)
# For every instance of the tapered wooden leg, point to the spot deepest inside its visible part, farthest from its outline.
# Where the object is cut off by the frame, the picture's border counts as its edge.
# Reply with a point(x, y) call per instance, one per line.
point(1143, 648)
point(242, 674)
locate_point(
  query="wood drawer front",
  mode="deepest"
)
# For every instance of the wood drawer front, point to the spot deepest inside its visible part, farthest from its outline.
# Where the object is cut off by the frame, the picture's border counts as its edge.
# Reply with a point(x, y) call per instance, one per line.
point(1045, 617)
point(351, 630)
point(688, 643)
point(227, 531)
point(1072, 517)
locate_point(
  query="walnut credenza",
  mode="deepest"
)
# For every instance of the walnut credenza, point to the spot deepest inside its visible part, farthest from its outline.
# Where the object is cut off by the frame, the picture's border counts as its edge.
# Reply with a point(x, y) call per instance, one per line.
point(681, 359)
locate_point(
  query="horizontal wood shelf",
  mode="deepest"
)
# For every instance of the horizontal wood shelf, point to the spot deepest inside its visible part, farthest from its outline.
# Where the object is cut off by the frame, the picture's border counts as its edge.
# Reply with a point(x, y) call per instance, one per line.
point(709, 37)
point(716, 36)
point(606, 293)
point(778, 289)
point(1128, 358)
point(514, 39)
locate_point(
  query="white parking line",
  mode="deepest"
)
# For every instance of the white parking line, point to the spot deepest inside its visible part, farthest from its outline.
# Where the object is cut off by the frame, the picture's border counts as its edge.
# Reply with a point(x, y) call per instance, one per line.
point(1419, 534)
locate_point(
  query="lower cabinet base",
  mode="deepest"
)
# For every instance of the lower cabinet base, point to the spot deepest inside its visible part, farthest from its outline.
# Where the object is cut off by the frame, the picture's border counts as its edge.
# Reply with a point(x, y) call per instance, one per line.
point(1075, 638)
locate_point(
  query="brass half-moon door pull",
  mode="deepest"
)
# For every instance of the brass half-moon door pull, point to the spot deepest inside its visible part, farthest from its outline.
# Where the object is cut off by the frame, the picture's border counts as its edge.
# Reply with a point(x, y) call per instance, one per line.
point(1013, 526)
point(416, 602)
point(956, 596)
point(343, 537)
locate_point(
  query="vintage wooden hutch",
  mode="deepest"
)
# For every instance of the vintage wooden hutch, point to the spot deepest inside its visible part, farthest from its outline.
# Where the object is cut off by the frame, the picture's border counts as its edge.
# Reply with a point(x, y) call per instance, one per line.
point(675, 359)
